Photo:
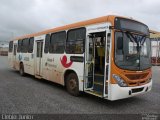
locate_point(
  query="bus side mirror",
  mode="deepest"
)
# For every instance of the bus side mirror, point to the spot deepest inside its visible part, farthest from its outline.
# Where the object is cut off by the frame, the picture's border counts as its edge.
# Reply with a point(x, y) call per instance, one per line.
point(120, 43)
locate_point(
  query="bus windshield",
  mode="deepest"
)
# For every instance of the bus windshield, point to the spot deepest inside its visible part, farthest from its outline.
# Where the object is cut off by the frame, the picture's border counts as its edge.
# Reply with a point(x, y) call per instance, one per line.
point(131, 25)
point(132, 51)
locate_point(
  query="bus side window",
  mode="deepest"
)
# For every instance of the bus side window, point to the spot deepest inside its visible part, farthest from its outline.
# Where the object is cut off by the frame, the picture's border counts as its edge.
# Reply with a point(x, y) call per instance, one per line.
point(26, 44)
point(10, 46)
point(47, 43)
point(31, 44)
point(19, 46)
point(15, 50)
point(22, 46)
point(57, 42)
point(75, 41)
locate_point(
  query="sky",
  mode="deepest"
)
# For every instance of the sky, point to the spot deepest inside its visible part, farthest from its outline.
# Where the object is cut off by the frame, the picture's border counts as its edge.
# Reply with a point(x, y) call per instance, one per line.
point(20, 17)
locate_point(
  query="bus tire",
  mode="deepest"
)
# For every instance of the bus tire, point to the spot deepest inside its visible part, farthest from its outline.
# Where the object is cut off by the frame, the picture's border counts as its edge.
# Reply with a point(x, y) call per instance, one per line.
point(72, 84)
point(21, 70)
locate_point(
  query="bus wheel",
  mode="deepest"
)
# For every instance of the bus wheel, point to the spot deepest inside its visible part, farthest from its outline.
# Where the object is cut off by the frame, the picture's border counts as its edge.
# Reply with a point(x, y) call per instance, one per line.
point(21, 70)
point(72, 84)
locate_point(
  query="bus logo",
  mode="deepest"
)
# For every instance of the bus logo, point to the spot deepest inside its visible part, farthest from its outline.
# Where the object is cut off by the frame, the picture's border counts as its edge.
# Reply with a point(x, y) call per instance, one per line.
point(64, 62)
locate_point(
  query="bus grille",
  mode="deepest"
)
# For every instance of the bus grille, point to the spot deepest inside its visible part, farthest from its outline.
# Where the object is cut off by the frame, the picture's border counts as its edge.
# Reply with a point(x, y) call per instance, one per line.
point(138, 79)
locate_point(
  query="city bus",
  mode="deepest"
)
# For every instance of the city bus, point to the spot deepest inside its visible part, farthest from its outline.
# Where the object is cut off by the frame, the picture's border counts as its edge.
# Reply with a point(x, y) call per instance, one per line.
point(109, 57)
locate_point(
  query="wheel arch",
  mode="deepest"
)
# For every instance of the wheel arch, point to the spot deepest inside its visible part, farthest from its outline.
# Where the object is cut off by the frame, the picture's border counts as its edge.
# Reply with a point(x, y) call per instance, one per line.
point(20, 63)
point(66, 73)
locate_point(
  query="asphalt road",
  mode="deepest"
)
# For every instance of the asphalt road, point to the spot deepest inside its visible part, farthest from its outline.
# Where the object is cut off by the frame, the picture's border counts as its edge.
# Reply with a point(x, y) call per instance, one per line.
point(30, 95)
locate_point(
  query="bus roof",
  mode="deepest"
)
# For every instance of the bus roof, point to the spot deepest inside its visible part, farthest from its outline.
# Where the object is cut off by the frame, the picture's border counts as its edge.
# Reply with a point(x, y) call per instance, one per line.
point(109, 18)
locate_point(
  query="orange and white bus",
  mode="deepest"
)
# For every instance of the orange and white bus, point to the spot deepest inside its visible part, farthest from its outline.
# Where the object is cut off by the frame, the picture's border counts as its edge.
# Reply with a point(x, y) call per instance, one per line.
point(108, 57)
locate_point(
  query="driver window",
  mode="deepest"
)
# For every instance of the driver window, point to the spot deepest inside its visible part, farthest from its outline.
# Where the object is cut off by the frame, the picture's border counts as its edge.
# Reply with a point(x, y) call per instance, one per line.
point(119, 47)
point(108, 46)
point(91, 50)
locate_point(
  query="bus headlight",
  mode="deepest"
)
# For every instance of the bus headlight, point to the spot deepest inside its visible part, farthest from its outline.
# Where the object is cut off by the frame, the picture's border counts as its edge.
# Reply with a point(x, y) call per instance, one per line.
point(149, 80)
point(120, 81)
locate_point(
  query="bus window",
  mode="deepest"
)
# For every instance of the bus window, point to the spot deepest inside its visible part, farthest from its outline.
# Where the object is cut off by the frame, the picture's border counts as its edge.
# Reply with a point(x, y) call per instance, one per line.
point(19, 46)
point(31, 43)
point(15, 50)
point(57, 42)
point(25, 44)
point(11, 46)
point(22, 48)
point(47, 43)
point(119, 46)
point(75, 41)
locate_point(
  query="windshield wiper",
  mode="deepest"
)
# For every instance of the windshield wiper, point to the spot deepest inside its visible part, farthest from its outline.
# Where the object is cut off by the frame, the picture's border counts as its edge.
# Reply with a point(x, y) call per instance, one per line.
point(143, 39)
point(135, 39)
point(131, 36)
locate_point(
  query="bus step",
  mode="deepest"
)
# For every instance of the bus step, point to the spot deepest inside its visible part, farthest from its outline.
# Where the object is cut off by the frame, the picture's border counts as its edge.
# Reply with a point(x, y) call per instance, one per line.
point(99, 94)
point(98, 87)
point(101, 83)
point(99, 75)
point(98, 83)
point(98, 78)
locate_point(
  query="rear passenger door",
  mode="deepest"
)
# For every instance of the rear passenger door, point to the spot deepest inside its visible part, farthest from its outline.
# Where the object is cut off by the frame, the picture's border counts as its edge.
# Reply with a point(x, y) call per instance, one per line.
point(38, 59)
point(15, 61)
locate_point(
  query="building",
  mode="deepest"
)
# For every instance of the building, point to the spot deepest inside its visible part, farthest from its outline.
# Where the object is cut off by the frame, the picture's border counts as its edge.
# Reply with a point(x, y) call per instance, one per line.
point(155, 44)
point(4, 48)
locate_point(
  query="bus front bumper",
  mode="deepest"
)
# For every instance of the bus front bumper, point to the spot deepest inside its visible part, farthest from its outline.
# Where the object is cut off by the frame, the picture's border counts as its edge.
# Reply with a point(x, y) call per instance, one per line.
point(117, 92)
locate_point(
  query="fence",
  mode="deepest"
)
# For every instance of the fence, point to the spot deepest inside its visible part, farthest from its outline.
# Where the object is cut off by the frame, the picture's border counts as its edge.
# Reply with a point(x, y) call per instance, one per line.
point(3, 51)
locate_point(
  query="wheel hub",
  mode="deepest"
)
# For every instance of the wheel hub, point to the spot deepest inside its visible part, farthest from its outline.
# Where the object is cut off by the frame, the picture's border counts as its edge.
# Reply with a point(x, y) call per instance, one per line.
point(72, 84)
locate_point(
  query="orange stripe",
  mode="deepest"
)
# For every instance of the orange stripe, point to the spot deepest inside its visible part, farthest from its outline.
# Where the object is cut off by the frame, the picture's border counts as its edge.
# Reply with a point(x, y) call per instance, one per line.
point(74, 25)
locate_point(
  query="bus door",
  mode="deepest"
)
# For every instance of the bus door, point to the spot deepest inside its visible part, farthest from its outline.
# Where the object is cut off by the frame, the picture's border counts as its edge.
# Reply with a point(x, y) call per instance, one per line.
point(14, 55)
point(96, 67)
point(38, 59)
